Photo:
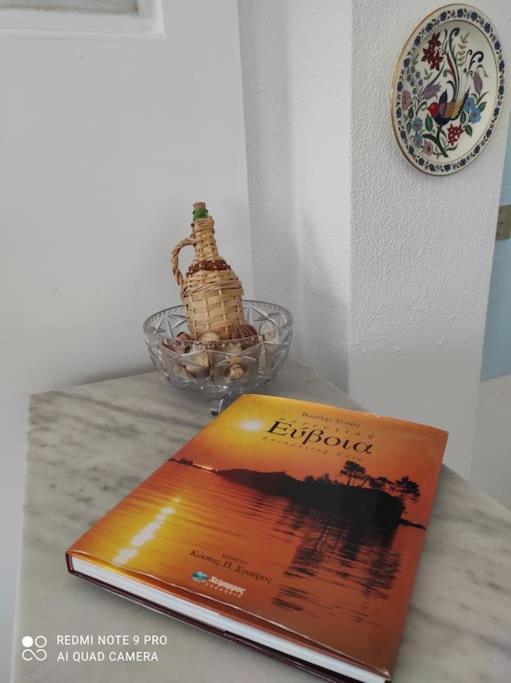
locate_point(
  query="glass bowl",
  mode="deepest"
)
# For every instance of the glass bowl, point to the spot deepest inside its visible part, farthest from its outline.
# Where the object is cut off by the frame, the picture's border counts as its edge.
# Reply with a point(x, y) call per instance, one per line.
point(225, 368)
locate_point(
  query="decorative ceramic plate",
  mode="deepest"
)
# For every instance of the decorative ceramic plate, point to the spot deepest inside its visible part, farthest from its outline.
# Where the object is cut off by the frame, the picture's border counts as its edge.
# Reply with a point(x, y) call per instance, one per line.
point(448, 89)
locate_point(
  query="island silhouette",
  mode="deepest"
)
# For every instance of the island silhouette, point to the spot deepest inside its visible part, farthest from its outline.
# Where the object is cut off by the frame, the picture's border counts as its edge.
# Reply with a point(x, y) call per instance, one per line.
point(353, 493)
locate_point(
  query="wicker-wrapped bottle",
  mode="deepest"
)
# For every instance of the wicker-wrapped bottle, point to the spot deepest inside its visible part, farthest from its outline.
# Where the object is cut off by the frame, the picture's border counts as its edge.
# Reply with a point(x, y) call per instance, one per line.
point(210, 290)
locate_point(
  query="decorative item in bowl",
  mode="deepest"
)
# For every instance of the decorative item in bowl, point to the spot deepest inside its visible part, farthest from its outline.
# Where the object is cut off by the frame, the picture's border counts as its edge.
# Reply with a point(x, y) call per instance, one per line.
point(220, 368)
point(216, 342)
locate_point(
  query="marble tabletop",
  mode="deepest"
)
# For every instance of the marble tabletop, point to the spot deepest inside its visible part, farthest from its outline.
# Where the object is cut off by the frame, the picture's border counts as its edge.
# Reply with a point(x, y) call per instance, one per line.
point(90, 445)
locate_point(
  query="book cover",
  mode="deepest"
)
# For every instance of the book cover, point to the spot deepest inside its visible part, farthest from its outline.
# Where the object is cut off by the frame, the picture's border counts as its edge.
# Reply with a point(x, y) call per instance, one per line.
point(302, 520)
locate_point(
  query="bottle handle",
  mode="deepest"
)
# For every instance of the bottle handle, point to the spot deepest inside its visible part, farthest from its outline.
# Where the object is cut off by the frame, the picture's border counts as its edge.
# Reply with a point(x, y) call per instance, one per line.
point(188, 242)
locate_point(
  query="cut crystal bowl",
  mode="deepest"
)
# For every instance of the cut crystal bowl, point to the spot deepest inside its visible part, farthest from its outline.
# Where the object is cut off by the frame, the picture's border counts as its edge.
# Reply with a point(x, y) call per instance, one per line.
point(225, 368)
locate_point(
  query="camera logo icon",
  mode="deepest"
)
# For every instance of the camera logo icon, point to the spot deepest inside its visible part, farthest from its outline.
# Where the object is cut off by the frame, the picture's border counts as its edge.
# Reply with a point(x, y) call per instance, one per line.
point(34, 648)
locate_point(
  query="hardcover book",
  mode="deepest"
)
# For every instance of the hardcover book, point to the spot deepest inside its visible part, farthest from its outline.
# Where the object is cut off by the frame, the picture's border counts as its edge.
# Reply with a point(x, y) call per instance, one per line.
point(290, 526)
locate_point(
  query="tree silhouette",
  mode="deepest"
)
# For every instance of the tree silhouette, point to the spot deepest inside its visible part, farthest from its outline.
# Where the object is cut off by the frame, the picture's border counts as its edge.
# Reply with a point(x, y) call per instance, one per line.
point(403, 488)
point(378, 483)
point(325, 479)
point(353, 472)
point(407, 488)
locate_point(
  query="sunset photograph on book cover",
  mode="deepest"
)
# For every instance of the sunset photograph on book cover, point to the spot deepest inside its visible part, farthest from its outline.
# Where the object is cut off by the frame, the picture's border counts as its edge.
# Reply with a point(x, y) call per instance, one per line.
point(304, 515)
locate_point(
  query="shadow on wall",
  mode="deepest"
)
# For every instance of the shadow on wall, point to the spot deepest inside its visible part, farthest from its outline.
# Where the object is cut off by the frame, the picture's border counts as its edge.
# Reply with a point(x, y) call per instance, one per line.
point(320, 302)
point(118, 374)
point(270, 155)
point(290, 154)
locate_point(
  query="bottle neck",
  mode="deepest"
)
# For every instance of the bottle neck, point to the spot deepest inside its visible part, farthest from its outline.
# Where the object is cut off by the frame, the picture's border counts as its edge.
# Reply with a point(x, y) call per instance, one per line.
point(205, 244)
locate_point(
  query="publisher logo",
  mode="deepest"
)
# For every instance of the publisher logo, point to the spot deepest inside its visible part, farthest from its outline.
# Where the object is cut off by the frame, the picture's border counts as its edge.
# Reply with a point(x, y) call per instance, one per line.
point(34, 648)
point(218, 584)
point(226, 587)
point(200, 577)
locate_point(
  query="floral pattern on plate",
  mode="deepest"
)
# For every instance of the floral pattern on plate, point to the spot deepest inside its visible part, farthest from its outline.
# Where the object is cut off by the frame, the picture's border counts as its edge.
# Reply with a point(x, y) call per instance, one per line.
point(448, 89)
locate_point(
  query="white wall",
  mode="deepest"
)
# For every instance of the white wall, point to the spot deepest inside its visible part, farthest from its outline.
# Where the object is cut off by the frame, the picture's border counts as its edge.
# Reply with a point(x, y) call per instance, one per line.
point(296, 80)
point(387, 269)
point(421, 248)
point(105, 145)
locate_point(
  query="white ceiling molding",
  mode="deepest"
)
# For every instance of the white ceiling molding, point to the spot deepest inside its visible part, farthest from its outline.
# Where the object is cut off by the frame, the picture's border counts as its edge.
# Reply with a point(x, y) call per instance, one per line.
point(76, 18)
point(94, 6)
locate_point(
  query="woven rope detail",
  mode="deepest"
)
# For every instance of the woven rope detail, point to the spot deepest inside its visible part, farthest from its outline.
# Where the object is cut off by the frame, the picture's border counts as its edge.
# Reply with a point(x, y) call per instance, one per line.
point(174, 260)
